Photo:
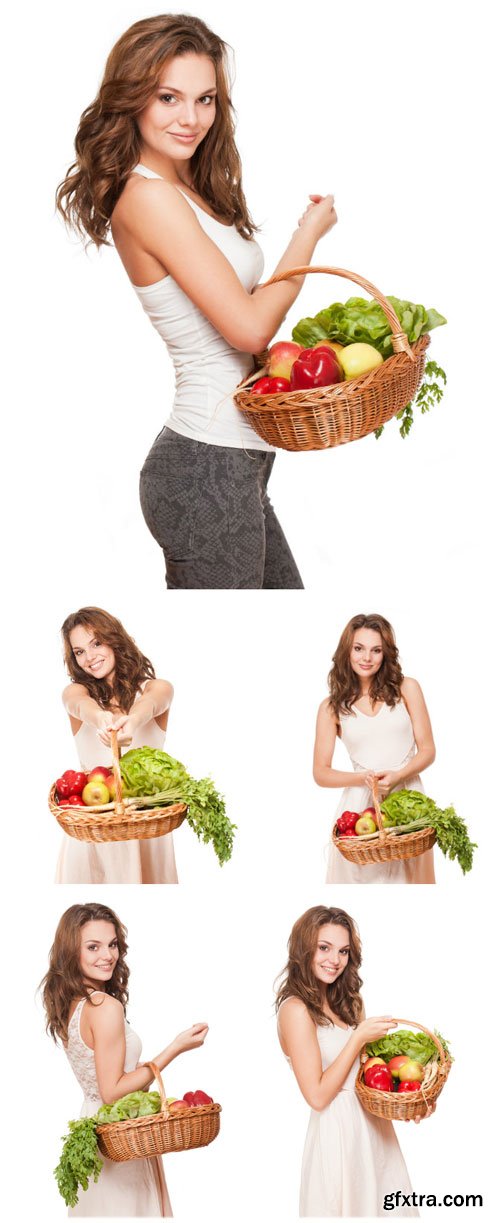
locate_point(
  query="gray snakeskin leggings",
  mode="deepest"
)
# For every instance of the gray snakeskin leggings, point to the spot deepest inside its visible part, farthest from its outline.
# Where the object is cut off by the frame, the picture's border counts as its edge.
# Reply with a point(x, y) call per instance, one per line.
point(208, 509)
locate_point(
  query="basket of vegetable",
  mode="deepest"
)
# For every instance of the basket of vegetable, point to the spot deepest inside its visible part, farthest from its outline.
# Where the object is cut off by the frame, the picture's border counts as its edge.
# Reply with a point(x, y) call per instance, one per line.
point(349, 371)
point(141, 1124)
point(401, 1076)
point(177, 1125)
point(153, 795)
point(90, 815)
point(405, 825)
point(363, 838)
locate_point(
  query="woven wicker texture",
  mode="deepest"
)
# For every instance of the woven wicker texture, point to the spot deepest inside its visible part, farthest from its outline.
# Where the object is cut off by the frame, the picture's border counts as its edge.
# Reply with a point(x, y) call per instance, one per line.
point(383, 846)
point(405, 1106)
point(332, 415)
point(122, 820)
point(162, 1133)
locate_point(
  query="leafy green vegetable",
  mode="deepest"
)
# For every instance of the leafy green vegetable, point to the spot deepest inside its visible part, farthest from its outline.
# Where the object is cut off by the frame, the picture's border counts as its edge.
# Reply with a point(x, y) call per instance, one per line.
point(136, 1104)
point(80, 1161)
point(360, 321)
point(416, 1044)
point(161, 780)
point(408, 806)
point(427, 395)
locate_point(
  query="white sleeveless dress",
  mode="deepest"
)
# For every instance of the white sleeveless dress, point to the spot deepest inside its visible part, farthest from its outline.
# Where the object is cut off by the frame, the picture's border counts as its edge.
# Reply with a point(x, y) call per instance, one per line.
point(151, 861)
point(385, 741)
point(207, 368)
point(135, 1188)
point(351, 1159)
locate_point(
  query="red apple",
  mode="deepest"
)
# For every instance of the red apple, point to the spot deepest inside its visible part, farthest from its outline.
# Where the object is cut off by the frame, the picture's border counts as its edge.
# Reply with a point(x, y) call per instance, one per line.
point(369, 811)
point(281, 357)
point(396, 1062)
point(75, 800)
point(100, 773)
point(178, 1106)
point(111, 786)
point(95, 794)
point(69, 775)
point(365, 825)
point(78, 783)
point(63, 788)
point(409, 1085)
point(374, 1061)
point(410, 1071)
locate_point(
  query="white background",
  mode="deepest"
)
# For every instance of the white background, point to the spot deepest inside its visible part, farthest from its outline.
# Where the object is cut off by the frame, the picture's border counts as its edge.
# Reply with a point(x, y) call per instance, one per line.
point(392, 110)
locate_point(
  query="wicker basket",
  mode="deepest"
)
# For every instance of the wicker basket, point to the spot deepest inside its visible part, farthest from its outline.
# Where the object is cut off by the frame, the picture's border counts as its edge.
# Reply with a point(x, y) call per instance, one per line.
point(383, 845)
point(406, 1106)
point(122, 820)
point(332, 415)
point(161, 1133)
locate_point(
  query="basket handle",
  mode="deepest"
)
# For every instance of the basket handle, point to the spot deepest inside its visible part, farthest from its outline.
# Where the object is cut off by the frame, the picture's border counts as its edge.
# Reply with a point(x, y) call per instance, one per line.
point(159, 1083)
point(400, 342)
point(378, 813)
point(115, 763)
point(413, 1024)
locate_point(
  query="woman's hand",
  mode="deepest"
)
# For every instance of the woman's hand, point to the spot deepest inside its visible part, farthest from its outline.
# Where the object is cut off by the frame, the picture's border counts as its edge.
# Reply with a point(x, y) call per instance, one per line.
point(320, 215)
point(431, 1109)
point(124, 726)
point(387, 782)
point(375, 1029)
point(365, 779)
point(192, 1038)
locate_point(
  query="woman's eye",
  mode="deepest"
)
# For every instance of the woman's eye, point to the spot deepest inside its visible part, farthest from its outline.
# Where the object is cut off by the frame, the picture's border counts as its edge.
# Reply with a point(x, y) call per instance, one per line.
point(207, 98)
point(167, 97)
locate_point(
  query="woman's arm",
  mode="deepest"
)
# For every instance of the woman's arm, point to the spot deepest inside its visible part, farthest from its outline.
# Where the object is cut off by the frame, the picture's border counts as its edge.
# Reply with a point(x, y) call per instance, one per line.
point(82, 708)
point(426, 752)
point(324, 746)
point(298, 1033)
point(107, 1028)
point(155, 703)
point(157, 216)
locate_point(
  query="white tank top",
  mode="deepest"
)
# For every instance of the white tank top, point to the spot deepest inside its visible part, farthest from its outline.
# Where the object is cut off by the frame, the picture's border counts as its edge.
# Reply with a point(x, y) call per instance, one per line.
point(207, 368)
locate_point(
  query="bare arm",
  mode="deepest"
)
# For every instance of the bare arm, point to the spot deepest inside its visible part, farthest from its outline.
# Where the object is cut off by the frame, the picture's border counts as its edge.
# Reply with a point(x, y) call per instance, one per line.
point(324, 747)
point(82, 707)
point(300, 1042)
point(107, 1028)
point(426, 752)
point(161, 221)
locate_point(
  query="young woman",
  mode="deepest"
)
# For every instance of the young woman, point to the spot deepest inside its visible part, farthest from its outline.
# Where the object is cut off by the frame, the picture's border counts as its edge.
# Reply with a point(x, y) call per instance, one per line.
point(382, 719)
point(113, 687)
point(85, 993)
point(158, 169)
point(351, 1159)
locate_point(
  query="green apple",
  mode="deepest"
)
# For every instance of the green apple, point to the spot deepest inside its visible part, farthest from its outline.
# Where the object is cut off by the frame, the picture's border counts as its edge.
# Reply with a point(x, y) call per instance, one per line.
point(365, 825)
point(95, 794)
point(357, 359)
point(410, 1071)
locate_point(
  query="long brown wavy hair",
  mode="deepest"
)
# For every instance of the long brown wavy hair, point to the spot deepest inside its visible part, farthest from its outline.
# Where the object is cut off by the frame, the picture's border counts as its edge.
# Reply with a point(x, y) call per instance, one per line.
point(65, 981)
point(132, 668)
point(108, 143)
point(299, 981)
point(344, 686)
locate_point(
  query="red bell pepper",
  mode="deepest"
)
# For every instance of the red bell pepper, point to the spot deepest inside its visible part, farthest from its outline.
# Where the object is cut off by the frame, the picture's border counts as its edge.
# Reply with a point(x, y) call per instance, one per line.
point(378, 1077)
point(270, 386)
point(315, 367)
point(347, 820)
point(409, 1085)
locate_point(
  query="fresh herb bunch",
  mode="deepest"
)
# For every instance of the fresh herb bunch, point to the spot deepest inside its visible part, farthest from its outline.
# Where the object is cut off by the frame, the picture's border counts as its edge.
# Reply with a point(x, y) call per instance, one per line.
point(428, 394)
point(159, 780)
point(410, 810)
point(416, 1045)
point(80, 1161)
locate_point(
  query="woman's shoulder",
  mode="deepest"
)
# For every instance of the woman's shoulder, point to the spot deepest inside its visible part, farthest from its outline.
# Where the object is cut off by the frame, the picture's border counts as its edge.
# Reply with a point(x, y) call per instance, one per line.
point(74, 689)
point(105, 1008)
point(149, 196)
point(294, 1010)
point(410, 687)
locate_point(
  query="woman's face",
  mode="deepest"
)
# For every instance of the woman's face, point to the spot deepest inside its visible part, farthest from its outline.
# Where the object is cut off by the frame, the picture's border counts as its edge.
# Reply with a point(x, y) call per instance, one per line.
point(182, 110)
point(91, 654)
point(98, 951)
point(331, 954)
point(367, 653)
